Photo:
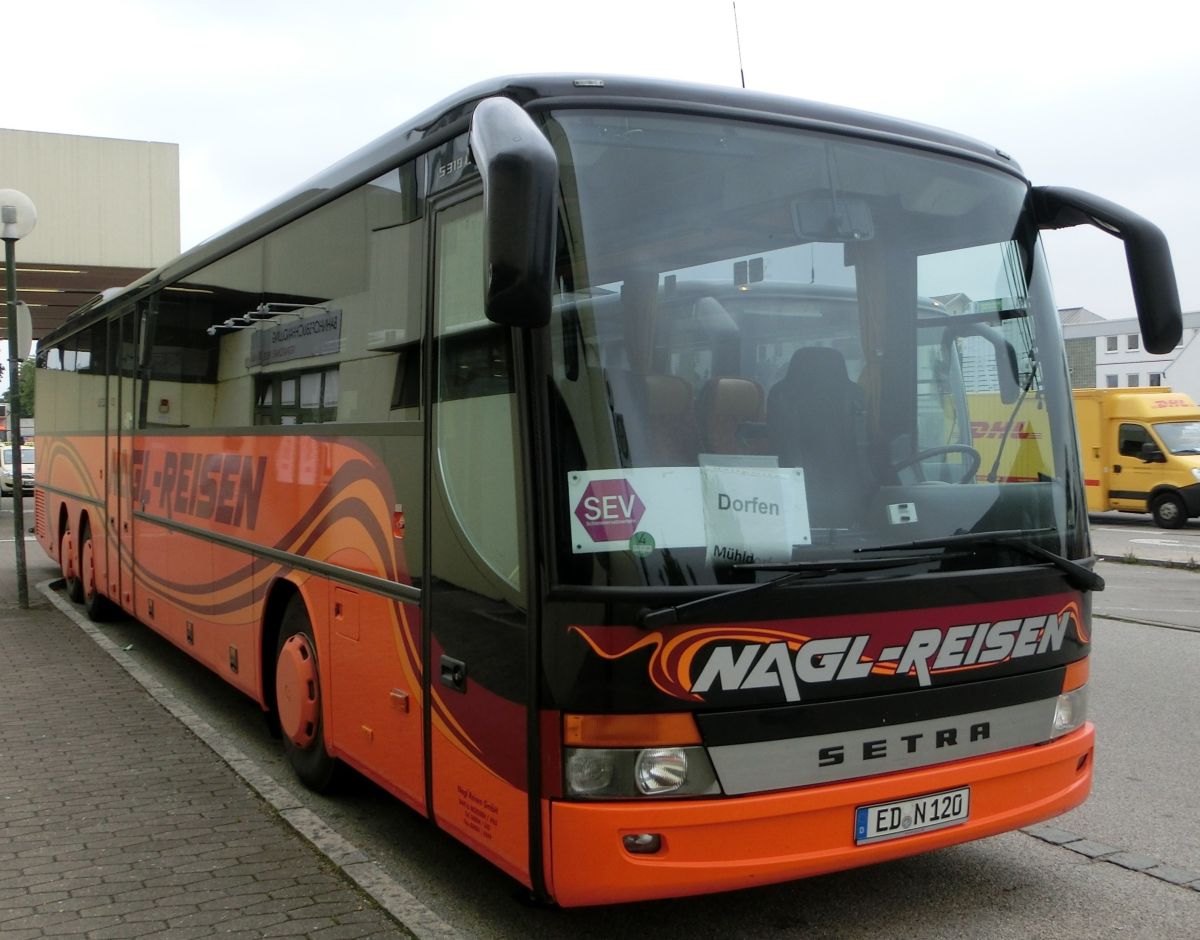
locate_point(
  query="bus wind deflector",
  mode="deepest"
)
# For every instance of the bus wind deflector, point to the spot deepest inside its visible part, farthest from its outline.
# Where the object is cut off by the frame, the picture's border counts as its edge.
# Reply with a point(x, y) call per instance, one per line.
point(1151, 273)
point(520, 179)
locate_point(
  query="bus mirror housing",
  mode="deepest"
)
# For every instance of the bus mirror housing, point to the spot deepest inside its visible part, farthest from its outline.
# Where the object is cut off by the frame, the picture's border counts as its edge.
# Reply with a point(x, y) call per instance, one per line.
point(1006, 356)
point(1155, 293)
point(520, 180)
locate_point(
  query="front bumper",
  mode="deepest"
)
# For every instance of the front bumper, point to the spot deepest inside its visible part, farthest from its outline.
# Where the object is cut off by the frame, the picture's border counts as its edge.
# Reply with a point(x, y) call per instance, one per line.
point(740, 842)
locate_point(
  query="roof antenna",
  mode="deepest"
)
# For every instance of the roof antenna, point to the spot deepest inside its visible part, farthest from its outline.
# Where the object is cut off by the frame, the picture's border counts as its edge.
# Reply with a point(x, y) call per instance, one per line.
point(738, 35)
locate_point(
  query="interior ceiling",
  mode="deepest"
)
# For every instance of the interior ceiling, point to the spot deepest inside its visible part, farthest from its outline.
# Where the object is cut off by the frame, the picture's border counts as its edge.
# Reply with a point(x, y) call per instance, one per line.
point(54, 291)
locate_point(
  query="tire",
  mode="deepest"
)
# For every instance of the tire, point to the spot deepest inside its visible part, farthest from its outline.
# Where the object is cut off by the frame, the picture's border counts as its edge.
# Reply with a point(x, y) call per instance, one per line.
point(298, 700)
point(98, 607)
point(1169, 512)
point(68, 561)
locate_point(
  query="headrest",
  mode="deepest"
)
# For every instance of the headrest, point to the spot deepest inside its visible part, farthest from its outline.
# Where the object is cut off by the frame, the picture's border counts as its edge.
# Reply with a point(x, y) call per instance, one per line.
point(818, 365)
point(733, 396)
point(667, 394)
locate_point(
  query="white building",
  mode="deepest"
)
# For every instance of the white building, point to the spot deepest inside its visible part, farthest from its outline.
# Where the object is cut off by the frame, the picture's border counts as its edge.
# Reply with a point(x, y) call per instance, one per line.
point(108, 211)
point(1109, 354)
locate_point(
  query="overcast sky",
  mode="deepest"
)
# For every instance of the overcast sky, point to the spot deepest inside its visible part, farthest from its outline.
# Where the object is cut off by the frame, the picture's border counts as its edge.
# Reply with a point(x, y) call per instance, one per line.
point(262, 94)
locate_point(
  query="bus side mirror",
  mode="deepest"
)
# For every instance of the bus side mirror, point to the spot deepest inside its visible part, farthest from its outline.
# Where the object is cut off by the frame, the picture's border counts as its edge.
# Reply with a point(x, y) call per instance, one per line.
point(520, 181)
point(1155, 293)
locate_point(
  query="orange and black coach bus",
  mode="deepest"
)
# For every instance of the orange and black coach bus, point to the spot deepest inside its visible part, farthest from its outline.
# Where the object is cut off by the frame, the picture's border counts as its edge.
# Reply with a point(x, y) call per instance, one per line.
point(589, 463)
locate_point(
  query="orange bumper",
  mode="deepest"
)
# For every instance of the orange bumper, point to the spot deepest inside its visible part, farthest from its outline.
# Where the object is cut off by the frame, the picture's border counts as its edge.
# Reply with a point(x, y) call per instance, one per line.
point(719, 845)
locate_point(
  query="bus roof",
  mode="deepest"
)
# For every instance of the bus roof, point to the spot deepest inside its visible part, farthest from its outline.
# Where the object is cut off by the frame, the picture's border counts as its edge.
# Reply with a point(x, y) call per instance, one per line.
point(450, 118)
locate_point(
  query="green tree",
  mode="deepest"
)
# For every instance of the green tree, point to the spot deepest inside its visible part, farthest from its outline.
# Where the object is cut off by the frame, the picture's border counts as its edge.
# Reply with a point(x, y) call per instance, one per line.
point(28, 370)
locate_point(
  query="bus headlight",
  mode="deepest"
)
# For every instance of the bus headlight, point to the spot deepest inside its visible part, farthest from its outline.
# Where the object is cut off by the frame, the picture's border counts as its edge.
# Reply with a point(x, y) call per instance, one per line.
point(622, 773)
point(1196, 473)
point(1070, 712)
point(661, 770)
point(589, 771)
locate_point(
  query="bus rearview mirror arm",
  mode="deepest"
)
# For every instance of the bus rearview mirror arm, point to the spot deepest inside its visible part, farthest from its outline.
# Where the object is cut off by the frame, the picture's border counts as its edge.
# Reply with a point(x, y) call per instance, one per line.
point(1151, 274)
point(520, 180)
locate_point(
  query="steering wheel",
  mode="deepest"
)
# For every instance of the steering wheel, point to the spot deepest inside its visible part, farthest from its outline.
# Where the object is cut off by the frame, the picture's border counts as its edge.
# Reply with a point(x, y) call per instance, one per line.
point(970, 453)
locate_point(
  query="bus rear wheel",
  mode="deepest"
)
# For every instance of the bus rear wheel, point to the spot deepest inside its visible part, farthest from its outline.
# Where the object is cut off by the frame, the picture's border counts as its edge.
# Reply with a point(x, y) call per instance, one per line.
point(68, 561)
point(298, 700)
point(96, 605)
point(1169, 512)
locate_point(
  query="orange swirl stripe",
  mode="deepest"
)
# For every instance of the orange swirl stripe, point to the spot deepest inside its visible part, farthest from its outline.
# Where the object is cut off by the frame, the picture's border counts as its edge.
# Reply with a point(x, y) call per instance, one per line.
point(671, 659)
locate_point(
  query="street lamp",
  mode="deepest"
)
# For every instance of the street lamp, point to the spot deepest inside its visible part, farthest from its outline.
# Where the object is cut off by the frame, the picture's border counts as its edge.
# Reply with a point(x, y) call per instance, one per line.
point(17, 219)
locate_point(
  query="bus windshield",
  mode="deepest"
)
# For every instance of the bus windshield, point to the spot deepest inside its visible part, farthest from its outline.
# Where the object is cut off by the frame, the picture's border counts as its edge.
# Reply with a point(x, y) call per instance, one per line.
point(772, 345)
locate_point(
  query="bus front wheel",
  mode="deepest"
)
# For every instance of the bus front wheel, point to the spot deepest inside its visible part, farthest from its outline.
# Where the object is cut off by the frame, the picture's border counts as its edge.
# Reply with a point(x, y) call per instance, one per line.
point(298, 700)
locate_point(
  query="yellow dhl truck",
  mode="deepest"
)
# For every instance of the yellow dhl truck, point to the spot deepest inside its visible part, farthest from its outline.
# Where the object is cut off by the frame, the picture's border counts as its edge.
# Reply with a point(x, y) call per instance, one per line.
point(1141, 452)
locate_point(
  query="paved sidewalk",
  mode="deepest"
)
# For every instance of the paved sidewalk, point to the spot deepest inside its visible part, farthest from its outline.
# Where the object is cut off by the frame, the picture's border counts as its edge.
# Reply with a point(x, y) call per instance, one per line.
point(116, 821)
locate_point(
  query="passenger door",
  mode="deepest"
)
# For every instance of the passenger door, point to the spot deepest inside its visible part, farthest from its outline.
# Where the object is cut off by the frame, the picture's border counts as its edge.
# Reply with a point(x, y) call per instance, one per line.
point(476, 613)
point(124, 343)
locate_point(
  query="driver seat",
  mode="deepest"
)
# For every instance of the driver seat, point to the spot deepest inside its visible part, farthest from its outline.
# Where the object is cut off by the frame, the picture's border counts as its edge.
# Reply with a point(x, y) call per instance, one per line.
point(816, 420)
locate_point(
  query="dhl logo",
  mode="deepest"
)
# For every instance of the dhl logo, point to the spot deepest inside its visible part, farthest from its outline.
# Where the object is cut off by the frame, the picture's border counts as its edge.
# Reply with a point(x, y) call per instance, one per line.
point(1021, 430)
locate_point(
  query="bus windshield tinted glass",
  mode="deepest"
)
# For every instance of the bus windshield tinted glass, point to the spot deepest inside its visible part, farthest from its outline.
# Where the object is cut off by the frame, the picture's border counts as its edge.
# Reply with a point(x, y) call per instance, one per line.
point(772, 345)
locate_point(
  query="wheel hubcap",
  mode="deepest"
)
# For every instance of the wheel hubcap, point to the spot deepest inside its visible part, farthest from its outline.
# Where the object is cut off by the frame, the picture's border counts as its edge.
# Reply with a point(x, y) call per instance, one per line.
point(89, 570)
point(296, 691)
point(66, 551)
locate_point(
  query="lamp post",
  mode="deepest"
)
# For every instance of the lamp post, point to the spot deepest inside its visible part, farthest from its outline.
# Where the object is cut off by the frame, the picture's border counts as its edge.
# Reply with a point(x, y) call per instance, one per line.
point(17, 219)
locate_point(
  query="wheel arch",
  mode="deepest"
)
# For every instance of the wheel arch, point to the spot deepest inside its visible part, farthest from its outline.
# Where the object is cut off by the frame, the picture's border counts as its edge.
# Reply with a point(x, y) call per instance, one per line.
point(1165, 489)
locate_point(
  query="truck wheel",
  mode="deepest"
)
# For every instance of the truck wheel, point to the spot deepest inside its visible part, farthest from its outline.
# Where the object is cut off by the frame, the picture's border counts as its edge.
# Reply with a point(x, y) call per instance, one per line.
point(298, 700)
point(1169, 512)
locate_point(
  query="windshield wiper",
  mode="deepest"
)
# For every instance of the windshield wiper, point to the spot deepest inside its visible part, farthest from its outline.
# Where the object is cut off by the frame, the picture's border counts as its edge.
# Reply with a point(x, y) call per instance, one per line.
point(794, 571)
point(1078, 576)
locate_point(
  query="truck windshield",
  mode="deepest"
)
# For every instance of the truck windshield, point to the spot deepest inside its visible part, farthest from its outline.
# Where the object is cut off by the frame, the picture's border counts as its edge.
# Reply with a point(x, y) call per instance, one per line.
point(772, 345)
point(1179, 437)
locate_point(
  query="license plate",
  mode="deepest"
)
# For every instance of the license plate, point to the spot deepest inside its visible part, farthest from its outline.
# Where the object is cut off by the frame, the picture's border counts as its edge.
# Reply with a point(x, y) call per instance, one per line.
point(907, 817)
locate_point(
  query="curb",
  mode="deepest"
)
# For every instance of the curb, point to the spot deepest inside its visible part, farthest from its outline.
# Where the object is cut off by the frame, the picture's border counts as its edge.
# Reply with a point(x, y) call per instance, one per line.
point(1151, 562)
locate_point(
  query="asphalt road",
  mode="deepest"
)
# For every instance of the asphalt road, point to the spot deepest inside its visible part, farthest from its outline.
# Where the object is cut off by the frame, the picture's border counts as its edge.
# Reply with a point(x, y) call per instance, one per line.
point(1144, 701)
point(1133, 535)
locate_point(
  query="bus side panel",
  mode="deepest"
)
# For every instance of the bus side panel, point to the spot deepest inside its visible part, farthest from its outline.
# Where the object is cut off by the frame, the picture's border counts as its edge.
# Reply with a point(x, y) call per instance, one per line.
point(74, 469)
point(476, 805)
point(300, 496)
point(161, 555)
point(374, 719)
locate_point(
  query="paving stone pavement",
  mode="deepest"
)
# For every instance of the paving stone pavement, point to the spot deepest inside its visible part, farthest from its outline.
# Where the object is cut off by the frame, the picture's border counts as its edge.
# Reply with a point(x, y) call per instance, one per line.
point(116, 821)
